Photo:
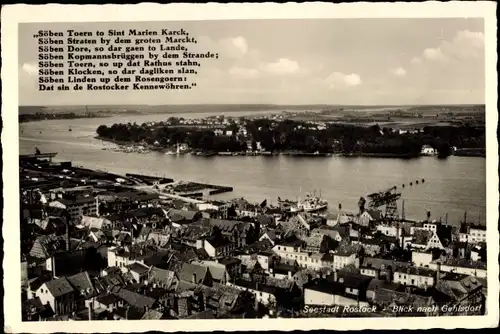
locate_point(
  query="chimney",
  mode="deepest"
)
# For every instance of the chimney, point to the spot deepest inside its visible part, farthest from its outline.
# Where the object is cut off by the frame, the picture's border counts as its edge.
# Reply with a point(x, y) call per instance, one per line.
point(53, 260)
point(388, 275)
point(375, 292)
point(68, 241)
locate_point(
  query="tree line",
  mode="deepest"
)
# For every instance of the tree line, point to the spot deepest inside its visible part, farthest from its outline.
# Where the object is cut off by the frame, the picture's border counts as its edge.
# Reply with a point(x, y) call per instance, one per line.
point(289, 135)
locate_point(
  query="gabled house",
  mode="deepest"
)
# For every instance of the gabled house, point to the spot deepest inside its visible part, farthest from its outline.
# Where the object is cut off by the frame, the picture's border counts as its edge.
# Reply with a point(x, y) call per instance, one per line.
point(269, 235)
point(139, 271)
point(195, 274)
point(235, 231)
point(218, 272)
point(59, 295)
point(369, 217)
point(426, 239)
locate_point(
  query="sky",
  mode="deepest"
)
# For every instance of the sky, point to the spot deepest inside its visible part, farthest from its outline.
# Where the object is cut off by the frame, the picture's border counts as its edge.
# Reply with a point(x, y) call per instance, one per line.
point(321, 61)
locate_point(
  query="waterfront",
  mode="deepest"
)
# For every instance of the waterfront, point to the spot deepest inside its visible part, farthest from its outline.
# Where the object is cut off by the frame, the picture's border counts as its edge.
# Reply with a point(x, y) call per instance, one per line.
point(452, 185)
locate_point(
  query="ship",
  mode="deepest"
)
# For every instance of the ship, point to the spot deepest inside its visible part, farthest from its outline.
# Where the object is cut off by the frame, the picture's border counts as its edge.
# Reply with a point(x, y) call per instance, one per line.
point(310, 204)
point(287, 205)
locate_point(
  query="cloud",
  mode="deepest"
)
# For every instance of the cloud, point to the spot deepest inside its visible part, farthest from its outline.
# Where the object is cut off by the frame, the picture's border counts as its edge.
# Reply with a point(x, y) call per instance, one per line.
point(231, 47)
point(281, 66)
point(30, 68)
point(399, 72)
point(339, 80)
point(236, 47)
point(434, 54)
point(465, 45)
point(243, 73)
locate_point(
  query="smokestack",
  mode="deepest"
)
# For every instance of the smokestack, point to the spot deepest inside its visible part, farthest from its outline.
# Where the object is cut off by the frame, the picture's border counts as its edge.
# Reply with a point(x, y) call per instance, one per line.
point(438, 272)
point(90, 311)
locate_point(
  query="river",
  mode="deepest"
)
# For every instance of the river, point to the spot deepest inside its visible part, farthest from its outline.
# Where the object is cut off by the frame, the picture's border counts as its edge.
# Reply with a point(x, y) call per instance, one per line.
point(452, 186)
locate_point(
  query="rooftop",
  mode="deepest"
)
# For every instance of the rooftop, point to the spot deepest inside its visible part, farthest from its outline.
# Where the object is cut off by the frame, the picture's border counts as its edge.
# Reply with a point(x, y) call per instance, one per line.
point(59, 287)
point(138, 268)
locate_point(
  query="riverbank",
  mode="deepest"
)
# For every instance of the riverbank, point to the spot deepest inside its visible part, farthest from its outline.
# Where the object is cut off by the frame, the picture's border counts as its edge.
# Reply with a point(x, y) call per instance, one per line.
point(143, 148)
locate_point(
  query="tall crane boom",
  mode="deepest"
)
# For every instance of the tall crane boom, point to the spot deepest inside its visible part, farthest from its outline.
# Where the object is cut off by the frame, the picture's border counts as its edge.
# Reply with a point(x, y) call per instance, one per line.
point(387, 198)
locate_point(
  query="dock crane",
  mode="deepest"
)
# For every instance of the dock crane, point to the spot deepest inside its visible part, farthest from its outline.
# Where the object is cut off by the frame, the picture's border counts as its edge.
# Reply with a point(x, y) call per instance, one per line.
point(387, 198)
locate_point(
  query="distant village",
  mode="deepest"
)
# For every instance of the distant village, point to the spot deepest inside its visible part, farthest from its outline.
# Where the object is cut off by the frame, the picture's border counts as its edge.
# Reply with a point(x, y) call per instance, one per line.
point(98, 246)
point(304, 133)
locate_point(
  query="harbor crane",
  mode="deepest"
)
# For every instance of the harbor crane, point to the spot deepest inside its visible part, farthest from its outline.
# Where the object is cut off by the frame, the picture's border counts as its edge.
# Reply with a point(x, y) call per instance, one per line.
point(387, 198)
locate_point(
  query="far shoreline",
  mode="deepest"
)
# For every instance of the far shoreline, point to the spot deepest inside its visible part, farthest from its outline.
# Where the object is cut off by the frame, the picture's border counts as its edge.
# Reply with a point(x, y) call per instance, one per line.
point(144, 148)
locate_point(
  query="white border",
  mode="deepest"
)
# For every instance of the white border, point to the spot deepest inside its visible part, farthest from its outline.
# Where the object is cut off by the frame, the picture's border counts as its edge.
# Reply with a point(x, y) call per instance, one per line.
point(14, 14)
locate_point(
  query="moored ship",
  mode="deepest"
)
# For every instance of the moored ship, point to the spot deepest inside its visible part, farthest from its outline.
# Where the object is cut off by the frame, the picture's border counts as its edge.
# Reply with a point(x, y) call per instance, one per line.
point(310, 204)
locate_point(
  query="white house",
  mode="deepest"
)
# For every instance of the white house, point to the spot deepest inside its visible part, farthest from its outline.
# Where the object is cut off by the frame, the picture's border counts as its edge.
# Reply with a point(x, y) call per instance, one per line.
point(428, 150)
point(59, 294)
point(329, 294)
point(304, 259)
point(421, 258)
point(390, 230)
point(460, 268)
point(418, 277)
point(473, 234)
point(343, 259)
point(265, 260)
point(216, 247)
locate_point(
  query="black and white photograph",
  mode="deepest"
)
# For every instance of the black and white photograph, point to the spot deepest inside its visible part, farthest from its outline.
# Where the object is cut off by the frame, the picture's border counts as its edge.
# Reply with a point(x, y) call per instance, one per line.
point(251, 169)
